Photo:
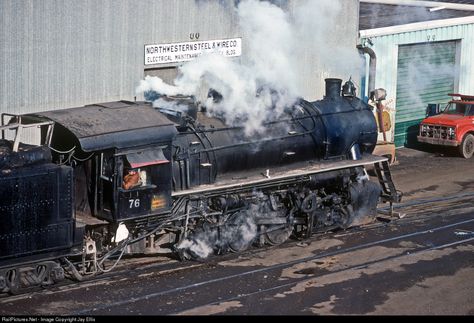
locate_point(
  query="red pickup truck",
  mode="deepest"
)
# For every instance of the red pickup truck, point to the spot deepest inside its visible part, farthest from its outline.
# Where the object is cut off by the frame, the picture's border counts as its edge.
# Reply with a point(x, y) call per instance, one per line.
point(454, 126)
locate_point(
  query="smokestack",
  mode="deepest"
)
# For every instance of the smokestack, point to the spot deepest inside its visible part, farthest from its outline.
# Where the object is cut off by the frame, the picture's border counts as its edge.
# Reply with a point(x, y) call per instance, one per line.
point(333, 88)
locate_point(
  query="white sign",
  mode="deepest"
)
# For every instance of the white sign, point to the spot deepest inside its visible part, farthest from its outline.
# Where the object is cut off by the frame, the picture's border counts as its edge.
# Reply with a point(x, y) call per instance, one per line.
point(183, 52)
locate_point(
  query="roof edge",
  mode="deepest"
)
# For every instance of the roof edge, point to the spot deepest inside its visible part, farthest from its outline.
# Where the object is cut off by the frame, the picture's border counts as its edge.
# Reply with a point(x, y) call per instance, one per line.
point(427, 4)
point(424, 25)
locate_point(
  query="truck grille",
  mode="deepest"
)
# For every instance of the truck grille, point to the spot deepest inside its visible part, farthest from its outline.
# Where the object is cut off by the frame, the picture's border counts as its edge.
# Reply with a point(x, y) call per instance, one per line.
point(436, 131)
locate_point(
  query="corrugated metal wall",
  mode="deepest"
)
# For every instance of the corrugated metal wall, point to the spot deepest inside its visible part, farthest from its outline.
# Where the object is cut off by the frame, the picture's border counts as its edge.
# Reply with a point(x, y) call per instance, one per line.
point(386, 49)
point(328, 54)
point(65, 53)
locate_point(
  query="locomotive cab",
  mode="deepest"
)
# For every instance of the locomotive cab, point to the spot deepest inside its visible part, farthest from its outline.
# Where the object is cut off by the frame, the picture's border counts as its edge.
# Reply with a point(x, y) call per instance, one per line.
point(120, 152)
point(133, 183)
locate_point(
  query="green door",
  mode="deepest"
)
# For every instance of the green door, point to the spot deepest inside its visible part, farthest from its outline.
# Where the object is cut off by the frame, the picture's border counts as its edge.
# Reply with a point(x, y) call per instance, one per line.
point(426, 74)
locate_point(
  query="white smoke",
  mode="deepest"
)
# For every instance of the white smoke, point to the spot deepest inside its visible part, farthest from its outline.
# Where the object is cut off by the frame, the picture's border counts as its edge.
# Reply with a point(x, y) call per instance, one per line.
point(200, 246)
point(237, 234)
point(420, 79)
point(242, 234)
point(170, 105)
point(157, 84)
point(316, 25)
point(259, 87)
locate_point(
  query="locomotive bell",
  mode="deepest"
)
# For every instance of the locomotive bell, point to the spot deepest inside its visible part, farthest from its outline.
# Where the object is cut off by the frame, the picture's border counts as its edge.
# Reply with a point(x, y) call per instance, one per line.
point(349, 88)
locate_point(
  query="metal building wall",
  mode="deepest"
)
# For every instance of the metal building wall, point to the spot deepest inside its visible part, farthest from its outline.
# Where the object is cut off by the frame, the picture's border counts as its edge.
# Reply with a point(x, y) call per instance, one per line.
point(386, 46)
point(332, 52)
point(386, 49)
point(56, 54)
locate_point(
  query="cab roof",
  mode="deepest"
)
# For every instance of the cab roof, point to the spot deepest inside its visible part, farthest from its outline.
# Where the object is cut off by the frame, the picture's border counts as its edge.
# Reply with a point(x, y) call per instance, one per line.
point(120, 124)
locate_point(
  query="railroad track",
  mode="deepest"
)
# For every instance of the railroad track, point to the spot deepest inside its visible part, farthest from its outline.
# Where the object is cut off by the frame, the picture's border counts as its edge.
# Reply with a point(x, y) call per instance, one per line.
point(278, 287)
point(282, 266)
point(453, 203)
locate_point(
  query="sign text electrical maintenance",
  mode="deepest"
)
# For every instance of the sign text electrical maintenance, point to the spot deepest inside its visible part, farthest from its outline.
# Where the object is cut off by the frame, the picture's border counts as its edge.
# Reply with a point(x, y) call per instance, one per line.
point(183, 52)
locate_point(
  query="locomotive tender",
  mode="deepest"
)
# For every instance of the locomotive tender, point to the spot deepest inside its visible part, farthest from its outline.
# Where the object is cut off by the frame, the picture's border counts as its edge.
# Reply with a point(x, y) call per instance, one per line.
point(125, 177)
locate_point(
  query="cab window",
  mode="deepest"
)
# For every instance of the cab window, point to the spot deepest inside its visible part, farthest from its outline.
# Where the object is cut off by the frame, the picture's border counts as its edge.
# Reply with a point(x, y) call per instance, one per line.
point(470, 110)
point(140, 169)
point(456, 108)
point(106, 166)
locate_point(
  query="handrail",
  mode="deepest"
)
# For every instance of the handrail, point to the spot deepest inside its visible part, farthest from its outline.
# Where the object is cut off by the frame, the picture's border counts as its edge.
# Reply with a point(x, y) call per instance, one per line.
point(21, 125)
point(18, 128)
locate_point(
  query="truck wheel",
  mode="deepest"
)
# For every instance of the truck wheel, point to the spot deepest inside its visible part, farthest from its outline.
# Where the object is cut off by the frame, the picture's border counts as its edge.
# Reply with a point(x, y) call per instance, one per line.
point(467, 146)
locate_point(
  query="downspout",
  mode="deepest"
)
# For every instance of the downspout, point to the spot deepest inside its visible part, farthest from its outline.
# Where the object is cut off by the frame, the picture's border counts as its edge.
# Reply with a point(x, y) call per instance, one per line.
point(372, 66)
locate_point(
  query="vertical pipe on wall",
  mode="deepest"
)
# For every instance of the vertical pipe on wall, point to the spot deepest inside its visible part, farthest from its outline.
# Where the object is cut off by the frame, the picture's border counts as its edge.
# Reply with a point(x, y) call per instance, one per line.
point(372, 66)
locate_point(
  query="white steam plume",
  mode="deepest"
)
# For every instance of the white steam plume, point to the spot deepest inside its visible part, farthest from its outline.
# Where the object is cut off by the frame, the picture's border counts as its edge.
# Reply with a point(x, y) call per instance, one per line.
point(200, 246)
point(421, 77)
point(239, 234)
point(316, 26)
point(258, 88)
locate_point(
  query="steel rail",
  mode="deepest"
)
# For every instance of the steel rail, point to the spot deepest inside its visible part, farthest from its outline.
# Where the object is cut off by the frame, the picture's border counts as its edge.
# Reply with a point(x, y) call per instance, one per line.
point(429, 200)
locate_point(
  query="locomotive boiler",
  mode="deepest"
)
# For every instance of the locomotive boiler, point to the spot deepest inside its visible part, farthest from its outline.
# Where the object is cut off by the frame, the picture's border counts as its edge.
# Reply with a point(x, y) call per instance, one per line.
point(125, 177)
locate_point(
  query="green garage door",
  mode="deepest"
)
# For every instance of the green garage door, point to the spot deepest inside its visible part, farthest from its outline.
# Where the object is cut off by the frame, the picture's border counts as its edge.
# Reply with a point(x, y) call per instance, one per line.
point(426, 74)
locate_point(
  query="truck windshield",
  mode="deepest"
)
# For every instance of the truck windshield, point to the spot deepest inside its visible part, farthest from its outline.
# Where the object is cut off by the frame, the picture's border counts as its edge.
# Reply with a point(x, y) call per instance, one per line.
point(459, 108)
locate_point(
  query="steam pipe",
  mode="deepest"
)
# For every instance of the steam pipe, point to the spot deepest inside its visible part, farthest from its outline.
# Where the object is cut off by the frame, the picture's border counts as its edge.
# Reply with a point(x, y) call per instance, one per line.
point(372, 65)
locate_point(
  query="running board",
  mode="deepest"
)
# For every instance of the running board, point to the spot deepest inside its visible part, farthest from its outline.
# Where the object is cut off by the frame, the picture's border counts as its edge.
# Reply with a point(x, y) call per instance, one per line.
point(281, 175)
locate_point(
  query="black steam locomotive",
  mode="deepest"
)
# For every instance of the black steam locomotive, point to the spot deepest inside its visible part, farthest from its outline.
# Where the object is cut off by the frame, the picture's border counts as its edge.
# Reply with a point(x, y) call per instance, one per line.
point(125, 177)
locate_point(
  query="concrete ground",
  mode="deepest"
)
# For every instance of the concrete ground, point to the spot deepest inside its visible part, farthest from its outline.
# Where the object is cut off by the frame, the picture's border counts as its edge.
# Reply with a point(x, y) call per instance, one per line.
point(425, 174)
